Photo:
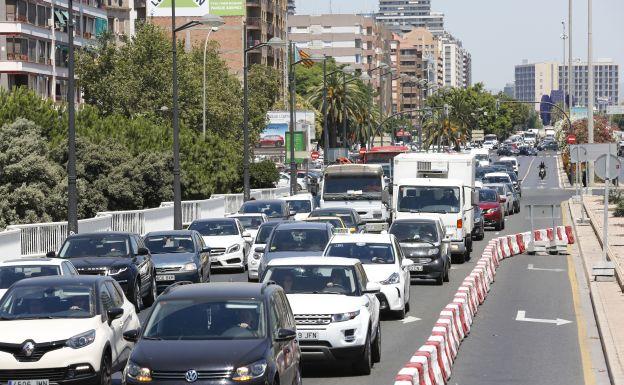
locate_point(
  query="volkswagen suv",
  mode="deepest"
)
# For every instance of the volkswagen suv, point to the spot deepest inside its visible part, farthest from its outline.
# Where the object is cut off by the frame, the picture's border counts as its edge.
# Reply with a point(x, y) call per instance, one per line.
point(217, 333)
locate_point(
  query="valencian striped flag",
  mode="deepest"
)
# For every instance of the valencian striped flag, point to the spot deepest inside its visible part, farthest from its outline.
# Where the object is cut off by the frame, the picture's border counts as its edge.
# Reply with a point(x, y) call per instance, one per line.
point(304, 57)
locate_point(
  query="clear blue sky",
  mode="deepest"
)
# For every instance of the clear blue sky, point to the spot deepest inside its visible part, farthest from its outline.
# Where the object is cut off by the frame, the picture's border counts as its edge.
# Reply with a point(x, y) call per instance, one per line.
point(501, 33)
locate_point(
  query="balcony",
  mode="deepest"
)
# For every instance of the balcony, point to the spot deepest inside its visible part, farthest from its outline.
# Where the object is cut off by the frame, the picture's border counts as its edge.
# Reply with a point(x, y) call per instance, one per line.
point(254, 22)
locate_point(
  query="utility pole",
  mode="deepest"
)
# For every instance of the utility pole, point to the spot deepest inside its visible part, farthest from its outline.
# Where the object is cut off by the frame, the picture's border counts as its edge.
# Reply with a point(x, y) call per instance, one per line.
point(72, 190)
point(590, 85)
point(571, 88)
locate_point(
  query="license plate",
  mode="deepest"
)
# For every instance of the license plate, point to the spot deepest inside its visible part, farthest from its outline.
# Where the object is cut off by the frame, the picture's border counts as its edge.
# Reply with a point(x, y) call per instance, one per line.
point(165, 277)
point(307, 335)
point(29, 382)
point(415, 268)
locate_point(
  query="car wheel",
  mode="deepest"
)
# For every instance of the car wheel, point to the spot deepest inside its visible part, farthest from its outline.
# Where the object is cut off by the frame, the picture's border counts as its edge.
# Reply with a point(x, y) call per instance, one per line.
point(153, 293)
point(503, 226)
point(105, 370)
point(440, 280)
point(376, 350)
point(365, 362)
point(400, 314)
point(498, 226)
point(447, 274)
point(137, 299)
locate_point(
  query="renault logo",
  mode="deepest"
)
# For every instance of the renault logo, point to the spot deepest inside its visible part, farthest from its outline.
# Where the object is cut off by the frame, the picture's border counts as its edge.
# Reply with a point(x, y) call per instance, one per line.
point(28, 348)
point(191, 376)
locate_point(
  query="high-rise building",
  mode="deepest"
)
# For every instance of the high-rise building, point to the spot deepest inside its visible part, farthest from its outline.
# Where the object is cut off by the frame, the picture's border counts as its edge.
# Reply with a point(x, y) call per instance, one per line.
point(456, 61)
point(403, 15)
point(33, 39)
point(510, 90)
point(357, 40)
point(291, 7)
point(534, 80)
point(265, 19)
point(606, 83)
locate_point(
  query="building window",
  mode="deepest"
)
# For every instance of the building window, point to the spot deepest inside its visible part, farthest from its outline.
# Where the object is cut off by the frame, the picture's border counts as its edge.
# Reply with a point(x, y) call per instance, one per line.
point(32, 13)
point(22, 10)
point(17, 48)
point(11, 10)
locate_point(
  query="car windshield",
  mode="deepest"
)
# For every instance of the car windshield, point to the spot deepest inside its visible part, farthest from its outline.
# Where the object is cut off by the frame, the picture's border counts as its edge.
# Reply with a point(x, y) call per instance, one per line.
point(480, 172)
point(215, 228)
point(429, 199)
point(263, 234)
point(300, 207)
point(272, 210)
point(11, 274)
point(218, 319)
point(346, 217)
point(167, 244)
point(334, 221)
point(352, 187)
point(47, 301)
point(250, 222)
point(482, 157)
point(299, 240)
point(487, 195)
point(100, 245)
point(496, 179)
point(367, 253)
point(502, 191)
point(314, 279)
point(415, 232)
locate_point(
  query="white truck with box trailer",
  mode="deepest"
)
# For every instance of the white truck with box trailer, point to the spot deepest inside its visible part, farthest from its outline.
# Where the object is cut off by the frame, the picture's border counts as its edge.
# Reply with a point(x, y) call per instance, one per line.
point(361, 187)
point(436, 183)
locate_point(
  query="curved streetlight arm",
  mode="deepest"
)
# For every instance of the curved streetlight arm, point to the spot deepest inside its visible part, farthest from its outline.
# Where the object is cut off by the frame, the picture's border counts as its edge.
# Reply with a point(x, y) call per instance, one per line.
point(188, 25)
point(498, 102)
point(406, 112)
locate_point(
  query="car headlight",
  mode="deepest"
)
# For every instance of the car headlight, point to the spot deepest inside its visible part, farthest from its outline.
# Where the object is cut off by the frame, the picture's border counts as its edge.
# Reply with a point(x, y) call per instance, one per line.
point(341, 317)
point(249, 372)
point(138, 373)
point(432, 251)
point(232, 249)
point(117, 270)
point(191, 266)
point(392, 279)
point(81, 340)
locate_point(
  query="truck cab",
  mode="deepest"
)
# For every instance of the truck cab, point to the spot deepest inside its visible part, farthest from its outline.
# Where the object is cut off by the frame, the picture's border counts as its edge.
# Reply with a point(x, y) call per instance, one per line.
point(440, 184)
point(361, 187)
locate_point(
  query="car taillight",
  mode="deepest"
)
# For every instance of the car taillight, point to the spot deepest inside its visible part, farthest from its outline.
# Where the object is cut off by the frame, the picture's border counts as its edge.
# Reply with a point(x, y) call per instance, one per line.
point(460, 223)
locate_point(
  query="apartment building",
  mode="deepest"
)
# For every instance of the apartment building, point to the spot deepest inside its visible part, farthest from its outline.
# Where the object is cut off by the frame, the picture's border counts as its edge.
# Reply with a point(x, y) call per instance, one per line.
point(533, 80)
point(33, 37)
point(291, 7)
point(356, 40)
point(401, 16)
point(606, 83)
point(456, 62)
point(265, 19)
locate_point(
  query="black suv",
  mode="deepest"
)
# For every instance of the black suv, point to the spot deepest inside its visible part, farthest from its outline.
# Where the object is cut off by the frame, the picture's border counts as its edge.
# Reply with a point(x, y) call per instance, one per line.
point(122, 256)
point(275, 209)
point(225, 333)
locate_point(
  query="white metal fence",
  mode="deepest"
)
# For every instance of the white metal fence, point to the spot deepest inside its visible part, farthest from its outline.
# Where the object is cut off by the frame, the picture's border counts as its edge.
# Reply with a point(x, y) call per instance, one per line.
point(39, 238)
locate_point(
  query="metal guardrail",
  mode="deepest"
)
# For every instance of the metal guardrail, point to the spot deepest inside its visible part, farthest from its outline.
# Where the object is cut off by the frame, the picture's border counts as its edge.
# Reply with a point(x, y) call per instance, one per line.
point(38, 238)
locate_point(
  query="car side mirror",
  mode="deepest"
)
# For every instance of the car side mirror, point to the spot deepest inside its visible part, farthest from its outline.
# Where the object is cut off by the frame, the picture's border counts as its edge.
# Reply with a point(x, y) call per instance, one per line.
point(114, 313)
point(143, 251)
point(259, 249)
point(372, 288)
point(406, 262)
point(502, 199)
point(246, 235)
point(285, 335)
point(51, 254)
point(132, 335)
point(206, 249)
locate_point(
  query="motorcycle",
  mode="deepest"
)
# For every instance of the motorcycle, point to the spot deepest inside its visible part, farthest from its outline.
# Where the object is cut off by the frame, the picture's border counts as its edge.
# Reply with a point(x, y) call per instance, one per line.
point(542, 173)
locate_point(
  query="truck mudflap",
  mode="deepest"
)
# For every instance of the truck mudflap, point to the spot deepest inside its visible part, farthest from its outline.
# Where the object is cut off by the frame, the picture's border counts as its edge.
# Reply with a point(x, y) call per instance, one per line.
point(376, 227)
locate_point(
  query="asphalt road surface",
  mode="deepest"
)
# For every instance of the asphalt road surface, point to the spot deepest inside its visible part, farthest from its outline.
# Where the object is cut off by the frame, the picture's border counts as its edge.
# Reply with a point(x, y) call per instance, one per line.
point(500, 349)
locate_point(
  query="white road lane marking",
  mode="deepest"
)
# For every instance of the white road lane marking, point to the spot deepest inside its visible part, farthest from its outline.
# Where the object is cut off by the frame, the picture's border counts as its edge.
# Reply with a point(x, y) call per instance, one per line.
point(521, 316)
point(529, 169)
point(410, 319)
point(532, 267)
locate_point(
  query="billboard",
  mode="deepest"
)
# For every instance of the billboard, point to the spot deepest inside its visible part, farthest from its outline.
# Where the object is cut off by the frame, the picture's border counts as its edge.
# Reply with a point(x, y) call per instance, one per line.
point(279, 123)
point(196, 8)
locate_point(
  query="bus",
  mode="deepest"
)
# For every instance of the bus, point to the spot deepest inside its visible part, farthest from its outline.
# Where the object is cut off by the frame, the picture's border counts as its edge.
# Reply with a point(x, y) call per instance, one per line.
point(383, 155)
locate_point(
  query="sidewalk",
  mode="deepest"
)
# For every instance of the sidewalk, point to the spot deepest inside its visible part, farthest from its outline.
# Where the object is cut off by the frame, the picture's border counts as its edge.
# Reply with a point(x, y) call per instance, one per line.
point(607, 297)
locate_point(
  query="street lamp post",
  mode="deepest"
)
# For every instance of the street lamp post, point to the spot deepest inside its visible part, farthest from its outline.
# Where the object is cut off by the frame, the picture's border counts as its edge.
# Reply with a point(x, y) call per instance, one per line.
point(273, 42)
point(345, 71)
point(177, 189)
point(72, 190)
point(214, 22)
point(382, 94)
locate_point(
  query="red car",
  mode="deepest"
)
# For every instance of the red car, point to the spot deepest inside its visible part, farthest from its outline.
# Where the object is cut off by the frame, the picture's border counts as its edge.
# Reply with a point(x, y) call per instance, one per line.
point(493, 212)
point(271, 141)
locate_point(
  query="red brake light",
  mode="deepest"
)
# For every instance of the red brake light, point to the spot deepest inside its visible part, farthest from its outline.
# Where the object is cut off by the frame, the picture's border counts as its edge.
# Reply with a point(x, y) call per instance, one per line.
point(460, 223)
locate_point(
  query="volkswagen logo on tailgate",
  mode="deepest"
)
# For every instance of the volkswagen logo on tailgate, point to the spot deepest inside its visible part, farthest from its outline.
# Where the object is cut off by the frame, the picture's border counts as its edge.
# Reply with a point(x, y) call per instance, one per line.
point(28, 348)
point(191, 376)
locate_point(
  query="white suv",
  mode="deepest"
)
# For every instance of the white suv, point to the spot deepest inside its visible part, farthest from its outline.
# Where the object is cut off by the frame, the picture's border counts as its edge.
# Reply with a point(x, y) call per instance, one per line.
point(15, 270)
point(229, 243)
point(384, 263)
point(335, 306)
point(64, 330)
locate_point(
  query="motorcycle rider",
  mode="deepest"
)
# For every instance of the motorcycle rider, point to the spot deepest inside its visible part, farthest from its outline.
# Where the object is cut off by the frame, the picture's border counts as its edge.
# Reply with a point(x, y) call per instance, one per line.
point(542, 170)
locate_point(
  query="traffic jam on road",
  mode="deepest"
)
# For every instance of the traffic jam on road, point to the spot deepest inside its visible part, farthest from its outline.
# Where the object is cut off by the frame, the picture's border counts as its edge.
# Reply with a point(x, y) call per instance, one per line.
point(325, 270)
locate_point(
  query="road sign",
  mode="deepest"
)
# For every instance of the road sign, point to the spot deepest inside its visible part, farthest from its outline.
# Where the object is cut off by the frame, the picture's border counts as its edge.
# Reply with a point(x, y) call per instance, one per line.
point(601, 167)
point(478, 135)
point(571, 139)
point(615, 110)
point(314, 155)
point(591, 151)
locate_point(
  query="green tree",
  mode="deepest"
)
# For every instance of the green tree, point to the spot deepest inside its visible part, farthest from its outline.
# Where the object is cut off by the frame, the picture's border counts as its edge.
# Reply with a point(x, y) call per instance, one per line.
point(262, 174)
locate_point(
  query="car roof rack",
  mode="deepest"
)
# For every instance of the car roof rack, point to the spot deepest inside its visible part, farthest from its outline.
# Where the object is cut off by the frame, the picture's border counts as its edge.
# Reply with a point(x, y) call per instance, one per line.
point(267, 284)
point(176, 284)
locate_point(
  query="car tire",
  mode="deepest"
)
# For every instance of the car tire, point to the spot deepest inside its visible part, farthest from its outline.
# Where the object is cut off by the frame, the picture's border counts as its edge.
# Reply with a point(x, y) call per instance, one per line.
point(153, 293)
point(400, 314)
point(447, 275)
point(376, 349)
point(503, 226)
point(105, 376)
point(440, 280)
point(137, 299)
point(499, 226)
point(364, 363)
